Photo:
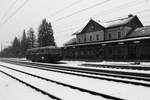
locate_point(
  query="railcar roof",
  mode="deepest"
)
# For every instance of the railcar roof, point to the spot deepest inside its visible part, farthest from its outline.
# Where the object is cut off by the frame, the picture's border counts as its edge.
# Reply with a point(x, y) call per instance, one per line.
point(39, 48)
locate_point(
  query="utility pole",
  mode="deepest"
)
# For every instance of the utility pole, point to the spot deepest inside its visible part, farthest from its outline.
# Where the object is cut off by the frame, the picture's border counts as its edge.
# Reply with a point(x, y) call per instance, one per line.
point(1, 47)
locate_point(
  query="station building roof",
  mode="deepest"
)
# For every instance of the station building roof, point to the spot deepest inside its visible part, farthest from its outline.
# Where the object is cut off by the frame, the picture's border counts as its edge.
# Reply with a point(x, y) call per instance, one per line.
point(71, 41)
point(118, 22)
point(140, 32)
point(110, 24)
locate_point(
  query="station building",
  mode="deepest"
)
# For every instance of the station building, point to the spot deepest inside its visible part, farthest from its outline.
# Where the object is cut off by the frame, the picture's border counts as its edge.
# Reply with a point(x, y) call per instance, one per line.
point(121, 39)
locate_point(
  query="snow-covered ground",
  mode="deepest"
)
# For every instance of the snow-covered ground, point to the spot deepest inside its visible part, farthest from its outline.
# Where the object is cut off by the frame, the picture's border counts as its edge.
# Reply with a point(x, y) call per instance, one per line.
point(116, 89)
point(65, 93)
point(10, 89)
point(79, 64)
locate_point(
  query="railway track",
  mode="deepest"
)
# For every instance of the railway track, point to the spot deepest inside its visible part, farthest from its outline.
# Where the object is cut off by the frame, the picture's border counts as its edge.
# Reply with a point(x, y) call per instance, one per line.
point(31, 86)
point(89, 73)
point(118, 66)
point(92, 73)
point(144, 81)
point(21, 75)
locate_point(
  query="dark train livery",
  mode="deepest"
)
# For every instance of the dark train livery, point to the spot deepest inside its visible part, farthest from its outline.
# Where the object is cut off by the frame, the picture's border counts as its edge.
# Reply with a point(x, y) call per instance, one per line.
point(44, 54)
point(121, 39)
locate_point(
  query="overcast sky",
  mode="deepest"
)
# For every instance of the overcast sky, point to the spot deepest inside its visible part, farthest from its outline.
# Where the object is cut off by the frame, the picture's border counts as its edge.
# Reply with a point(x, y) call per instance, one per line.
point(17, 15)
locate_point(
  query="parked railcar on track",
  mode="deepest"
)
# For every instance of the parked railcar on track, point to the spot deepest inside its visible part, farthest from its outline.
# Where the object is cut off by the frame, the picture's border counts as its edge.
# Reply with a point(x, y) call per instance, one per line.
point(44, 54)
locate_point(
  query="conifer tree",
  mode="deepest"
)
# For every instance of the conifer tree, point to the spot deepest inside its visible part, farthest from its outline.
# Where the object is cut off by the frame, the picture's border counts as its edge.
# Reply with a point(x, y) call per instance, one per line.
point(16, 48)
point(24, 44)
point(31, 38)
point(45, 35)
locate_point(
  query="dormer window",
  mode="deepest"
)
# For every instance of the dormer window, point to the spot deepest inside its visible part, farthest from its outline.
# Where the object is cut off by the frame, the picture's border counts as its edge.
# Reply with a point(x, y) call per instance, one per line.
point(92, 27)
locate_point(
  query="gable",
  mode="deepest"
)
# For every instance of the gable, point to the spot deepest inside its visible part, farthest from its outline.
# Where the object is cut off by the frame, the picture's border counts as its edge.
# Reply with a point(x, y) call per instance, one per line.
point(135, 23)
point(92, 26)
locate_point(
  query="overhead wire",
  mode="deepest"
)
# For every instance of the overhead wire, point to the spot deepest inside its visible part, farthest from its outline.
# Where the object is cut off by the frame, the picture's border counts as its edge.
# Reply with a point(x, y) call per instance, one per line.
point(65, 8)
point(84, 9)
point(129, 3)
point(62, 9)
point(70, 27)
point(8, 10)
point(16, 11)
point(143, 11)
point(79, 11)
point(105, 11)
point(118, 8)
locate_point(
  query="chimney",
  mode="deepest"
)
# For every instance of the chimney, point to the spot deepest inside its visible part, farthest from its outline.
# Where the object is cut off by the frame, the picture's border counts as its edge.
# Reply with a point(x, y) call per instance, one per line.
point(130, 15)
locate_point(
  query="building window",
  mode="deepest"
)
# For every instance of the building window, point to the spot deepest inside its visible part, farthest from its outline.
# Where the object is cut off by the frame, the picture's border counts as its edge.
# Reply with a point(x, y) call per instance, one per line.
point(97, 37)
point(90, 38)
point(85, 39)
point(79, 40)
point(110, 36)
point(119, 35)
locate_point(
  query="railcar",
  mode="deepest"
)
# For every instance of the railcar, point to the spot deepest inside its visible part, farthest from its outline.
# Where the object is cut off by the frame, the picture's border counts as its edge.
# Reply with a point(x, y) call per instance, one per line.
point(44, 54)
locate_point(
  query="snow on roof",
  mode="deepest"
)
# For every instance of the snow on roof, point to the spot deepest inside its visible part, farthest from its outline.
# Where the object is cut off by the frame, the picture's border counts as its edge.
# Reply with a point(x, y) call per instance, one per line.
point(78, 31)
point(118, 22)
point(142, 31)
point(112, 23)
point(51, 47)
point(71, 41)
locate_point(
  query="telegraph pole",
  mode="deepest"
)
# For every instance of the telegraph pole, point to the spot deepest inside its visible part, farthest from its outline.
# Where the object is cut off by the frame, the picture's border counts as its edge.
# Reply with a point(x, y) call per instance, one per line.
point(1, 47)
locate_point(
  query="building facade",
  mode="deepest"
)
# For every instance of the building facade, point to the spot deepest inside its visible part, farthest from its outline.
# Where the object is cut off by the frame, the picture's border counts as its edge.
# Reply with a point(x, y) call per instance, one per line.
point(121, 39)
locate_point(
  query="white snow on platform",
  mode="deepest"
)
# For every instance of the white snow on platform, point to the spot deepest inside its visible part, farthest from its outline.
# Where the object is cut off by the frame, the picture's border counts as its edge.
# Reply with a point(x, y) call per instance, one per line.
point(10, 89)
point(116, 89)
point(79, 64)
